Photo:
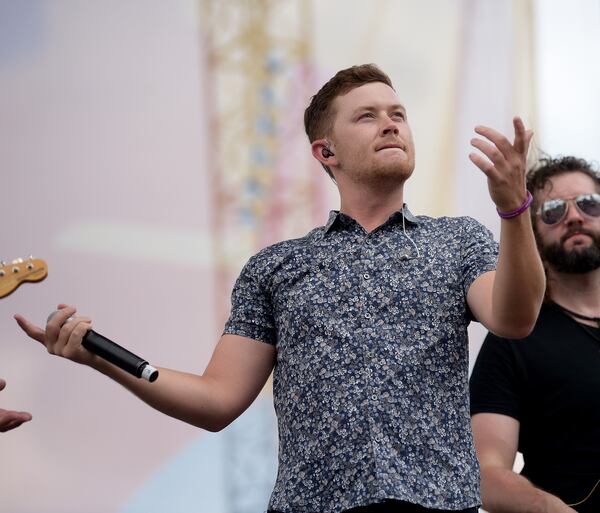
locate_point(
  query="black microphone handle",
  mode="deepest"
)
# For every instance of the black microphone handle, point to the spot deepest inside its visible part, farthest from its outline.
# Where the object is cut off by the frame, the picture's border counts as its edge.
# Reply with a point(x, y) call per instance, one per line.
point(119, 356)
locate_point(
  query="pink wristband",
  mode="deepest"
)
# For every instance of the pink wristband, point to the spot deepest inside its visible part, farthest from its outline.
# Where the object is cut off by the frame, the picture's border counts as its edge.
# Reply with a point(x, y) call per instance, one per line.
point(519, 211)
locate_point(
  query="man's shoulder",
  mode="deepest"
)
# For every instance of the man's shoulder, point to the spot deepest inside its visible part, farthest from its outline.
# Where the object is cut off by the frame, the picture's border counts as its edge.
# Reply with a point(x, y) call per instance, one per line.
point(453, 229)
point(270, 256)
point(285, 246)
point(445, 222)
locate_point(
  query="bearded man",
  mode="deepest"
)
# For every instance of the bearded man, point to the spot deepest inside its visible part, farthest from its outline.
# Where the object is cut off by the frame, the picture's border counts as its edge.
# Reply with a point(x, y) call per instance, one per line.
point(541, 395)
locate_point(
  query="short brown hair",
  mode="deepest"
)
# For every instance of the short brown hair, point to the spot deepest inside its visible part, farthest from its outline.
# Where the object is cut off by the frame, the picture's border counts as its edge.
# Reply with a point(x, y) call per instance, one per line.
point(318, 116)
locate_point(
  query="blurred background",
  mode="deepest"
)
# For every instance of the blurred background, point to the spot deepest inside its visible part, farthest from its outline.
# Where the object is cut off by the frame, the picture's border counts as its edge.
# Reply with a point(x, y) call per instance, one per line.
point(149, 147)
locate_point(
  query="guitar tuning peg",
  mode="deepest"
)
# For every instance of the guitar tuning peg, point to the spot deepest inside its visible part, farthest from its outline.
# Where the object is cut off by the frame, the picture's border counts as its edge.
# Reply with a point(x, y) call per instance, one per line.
point(19, 271)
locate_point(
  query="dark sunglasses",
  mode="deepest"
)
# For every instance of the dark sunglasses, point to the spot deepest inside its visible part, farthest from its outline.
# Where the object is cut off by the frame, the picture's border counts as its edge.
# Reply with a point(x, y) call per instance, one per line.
point(553, 211)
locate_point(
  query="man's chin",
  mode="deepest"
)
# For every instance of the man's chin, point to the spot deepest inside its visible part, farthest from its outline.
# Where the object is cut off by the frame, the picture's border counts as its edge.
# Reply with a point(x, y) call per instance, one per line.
point(578, 260)
point(399, 172)
point(390, 174)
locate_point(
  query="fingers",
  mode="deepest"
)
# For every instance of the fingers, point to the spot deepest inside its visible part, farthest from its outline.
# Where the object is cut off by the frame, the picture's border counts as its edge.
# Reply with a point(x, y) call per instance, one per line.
point(485, 165)
point(33, 331)
point(68, 328)
point(491, 152)
point(12, 419)
point(501, 153)
point(522, 136)
point(63, 332)
point(54, 327)
point(70, 337)
point(520, 139)
point(500, 142)
point(8, 425)
point(56, 320)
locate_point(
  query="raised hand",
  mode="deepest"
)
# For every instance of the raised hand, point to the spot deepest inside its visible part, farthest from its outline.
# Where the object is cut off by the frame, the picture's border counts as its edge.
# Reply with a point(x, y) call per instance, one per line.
point(507, 164)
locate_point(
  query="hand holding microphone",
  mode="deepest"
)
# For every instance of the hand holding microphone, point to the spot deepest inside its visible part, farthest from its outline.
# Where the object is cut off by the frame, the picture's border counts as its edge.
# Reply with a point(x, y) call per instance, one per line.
point(115, 354)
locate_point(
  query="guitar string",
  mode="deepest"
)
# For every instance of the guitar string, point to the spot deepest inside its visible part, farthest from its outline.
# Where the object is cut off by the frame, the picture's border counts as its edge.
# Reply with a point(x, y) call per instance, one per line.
point(588, 495)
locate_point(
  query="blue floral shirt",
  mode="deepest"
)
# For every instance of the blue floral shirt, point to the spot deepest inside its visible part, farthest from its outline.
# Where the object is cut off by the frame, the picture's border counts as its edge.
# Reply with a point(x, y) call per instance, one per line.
point(371, 379)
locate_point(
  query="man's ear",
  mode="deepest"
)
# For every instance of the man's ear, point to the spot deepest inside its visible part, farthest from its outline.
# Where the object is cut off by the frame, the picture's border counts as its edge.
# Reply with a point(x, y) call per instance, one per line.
point(322, 151)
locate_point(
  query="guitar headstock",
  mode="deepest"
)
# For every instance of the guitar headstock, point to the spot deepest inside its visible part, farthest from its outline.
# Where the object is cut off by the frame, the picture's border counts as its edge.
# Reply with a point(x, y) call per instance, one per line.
point(20, 271)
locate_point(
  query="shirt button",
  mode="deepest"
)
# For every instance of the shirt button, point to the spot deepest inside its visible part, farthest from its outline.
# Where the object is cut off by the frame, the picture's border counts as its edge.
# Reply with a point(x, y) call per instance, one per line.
point(366, 276)
point(374, 397)
point(367, 315)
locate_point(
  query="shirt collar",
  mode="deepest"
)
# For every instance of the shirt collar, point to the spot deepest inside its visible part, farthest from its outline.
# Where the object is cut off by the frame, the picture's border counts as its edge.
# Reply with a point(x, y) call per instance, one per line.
point(336, 215)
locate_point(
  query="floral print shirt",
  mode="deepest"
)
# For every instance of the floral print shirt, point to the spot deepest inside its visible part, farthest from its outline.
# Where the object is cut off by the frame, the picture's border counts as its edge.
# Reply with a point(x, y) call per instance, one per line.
point(371, 378)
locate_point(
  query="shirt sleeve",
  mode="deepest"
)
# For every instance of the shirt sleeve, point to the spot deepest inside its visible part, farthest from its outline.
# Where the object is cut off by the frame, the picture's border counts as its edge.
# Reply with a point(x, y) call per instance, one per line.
point(496, 380)
point(251, 306)
point(479, 251)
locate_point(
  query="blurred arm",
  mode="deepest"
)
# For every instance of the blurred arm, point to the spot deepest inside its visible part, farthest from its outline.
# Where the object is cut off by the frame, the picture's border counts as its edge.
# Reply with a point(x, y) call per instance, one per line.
point(502, 490)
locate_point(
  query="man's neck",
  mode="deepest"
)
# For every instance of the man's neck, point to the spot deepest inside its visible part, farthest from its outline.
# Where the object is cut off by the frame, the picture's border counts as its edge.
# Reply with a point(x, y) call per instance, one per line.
point(371, 206)
point(577, 292)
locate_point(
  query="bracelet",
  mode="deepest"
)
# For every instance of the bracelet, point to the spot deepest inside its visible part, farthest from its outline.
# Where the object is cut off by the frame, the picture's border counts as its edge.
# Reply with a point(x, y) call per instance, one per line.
point(519, 211)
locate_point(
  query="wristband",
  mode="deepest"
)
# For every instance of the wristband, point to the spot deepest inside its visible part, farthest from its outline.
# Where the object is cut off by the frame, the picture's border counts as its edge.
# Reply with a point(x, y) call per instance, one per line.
point(518, 211)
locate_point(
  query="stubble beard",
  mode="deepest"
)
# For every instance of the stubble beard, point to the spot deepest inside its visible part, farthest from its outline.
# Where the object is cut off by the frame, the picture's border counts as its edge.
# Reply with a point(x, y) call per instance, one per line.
point(388, 175)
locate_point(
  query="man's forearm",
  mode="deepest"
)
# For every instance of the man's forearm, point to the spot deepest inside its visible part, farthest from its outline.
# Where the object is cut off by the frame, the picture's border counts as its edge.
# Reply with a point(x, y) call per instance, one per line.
point(187, 397)
point(503, 491)
point(520, 282)
point(235, 375)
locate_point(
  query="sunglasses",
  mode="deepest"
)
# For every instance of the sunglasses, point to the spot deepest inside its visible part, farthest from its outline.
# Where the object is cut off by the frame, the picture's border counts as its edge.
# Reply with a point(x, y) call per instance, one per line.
point(553, 211)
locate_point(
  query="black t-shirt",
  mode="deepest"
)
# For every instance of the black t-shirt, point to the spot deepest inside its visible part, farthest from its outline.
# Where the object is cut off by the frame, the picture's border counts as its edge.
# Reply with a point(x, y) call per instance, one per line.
point(550, 383)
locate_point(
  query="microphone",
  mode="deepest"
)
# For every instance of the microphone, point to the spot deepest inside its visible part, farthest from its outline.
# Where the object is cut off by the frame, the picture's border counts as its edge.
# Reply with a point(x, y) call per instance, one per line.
point(117, 355)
